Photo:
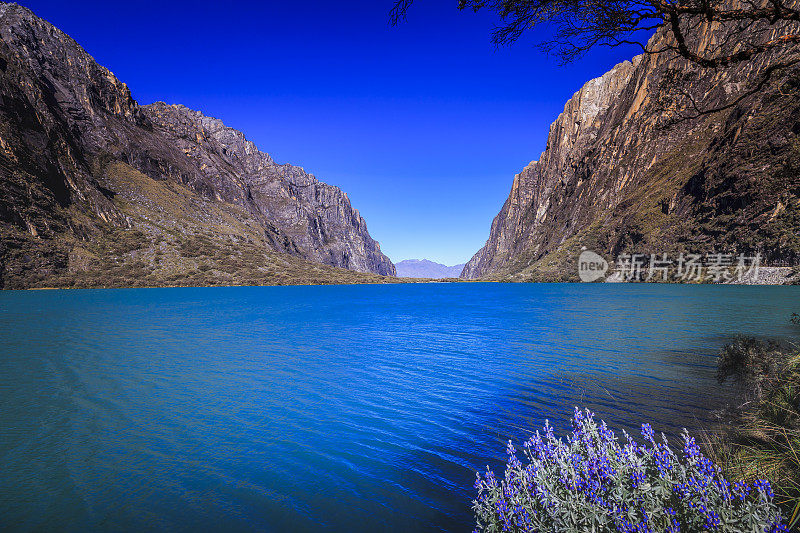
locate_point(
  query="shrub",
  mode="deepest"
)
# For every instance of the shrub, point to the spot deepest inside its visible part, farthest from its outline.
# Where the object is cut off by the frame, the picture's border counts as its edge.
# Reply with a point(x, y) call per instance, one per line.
point(762, 434)
point(593, 482)
point(750, 361)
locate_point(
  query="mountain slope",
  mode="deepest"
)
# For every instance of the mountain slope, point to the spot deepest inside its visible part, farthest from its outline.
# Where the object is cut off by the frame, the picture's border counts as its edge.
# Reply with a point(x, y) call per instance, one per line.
point(423, 268)
point(631, 167)
point(93, 183)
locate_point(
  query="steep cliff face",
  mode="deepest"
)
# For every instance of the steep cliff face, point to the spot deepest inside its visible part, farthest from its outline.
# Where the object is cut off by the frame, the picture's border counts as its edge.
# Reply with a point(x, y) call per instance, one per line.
point(630, 166)
point(524, 215)
point(83, 167)
point(316, 217)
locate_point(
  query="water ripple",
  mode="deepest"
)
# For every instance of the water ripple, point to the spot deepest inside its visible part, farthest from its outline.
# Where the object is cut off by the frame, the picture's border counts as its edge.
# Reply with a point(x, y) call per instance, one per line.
point(340, 408)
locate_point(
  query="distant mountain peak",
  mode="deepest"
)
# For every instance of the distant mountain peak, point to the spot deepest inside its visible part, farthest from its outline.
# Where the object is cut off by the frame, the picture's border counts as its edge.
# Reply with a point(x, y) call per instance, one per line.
point(425, 268)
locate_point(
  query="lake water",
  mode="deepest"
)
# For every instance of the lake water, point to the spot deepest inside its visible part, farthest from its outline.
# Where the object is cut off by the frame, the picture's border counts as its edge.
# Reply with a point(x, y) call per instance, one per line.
point(347, 408)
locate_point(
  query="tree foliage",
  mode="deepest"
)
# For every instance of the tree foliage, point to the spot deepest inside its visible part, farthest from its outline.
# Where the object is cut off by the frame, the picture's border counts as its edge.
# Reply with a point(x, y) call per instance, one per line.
point(751, 27)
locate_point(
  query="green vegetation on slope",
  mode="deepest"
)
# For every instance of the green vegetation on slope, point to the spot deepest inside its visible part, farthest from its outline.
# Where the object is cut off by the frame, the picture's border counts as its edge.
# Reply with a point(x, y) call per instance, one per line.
point(171, 237)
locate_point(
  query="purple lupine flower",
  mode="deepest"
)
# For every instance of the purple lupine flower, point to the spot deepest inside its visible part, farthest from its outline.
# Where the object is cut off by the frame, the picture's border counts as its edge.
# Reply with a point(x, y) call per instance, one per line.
point(776, 527)
point(548, 430)
point(712, 519)
point(648, 434)
point(637, 477)
point(741, 490)
point(690, 447)
point(764, 487)
point(636, 488)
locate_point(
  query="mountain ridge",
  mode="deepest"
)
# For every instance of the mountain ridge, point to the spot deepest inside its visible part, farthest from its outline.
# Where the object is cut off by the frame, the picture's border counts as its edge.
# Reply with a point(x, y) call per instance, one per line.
point(86, 173)
point(424, 268)
point(629, 169)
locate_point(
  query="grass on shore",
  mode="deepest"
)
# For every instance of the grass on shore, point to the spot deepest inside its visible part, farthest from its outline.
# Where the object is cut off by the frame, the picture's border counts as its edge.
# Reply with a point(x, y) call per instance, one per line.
point(761, 436)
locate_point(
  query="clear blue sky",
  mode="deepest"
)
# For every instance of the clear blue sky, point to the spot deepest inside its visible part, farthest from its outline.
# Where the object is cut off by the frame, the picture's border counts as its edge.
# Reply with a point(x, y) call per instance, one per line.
point(423, 125)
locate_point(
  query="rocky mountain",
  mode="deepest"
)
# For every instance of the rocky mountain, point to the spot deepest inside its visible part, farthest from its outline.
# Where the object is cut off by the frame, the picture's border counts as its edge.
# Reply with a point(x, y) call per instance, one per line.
point(100, 191)
point(422, 268)
point(658, 156)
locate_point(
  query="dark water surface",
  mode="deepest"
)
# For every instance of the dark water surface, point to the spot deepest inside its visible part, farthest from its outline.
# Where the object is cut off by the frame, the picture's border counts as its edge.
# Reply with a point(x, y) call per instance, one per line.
point(350, 408)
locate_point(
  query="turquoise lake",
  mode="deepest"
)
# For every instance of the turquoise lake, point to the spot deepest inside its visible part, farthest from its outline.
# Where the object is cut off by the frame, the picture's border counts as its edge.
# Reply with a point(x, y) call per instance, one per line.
point(338, 408)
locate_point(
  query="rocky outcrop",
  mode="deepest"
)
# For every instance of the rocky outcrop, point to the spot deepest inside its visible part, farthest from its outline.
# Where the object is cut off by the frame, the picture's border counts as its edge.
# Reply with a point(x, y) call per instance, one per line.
point(316, 217)
point(73, 140)
point(632, 166)
point(570, 141)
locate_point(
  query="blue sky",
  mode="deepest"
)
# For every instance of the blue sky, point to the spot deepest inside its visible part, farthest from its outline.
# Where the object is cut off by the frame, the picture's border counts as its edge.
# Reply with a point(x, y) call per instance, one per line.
point(423, 125)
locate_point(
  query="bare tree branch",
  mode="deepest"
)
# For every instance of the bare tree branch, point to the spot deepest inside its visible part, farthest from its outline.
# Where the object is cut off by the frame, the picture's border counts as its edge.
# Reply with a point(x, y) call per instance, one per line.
point(758, 87)
point(582, 24)
point(399, 11)
point(711, 34)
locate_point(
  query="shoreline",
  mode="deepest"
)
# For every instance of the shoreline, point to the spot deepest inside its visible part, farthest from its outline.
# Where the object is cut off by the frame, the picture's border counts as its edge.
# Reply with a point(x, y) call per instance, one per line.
point(784, 281)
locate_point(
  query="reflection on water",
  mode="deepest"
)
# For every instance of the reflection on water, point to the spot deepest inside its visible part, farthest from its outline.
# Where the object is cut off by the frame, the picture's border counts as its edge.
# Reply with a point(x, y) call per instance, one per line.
point(343, 407)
